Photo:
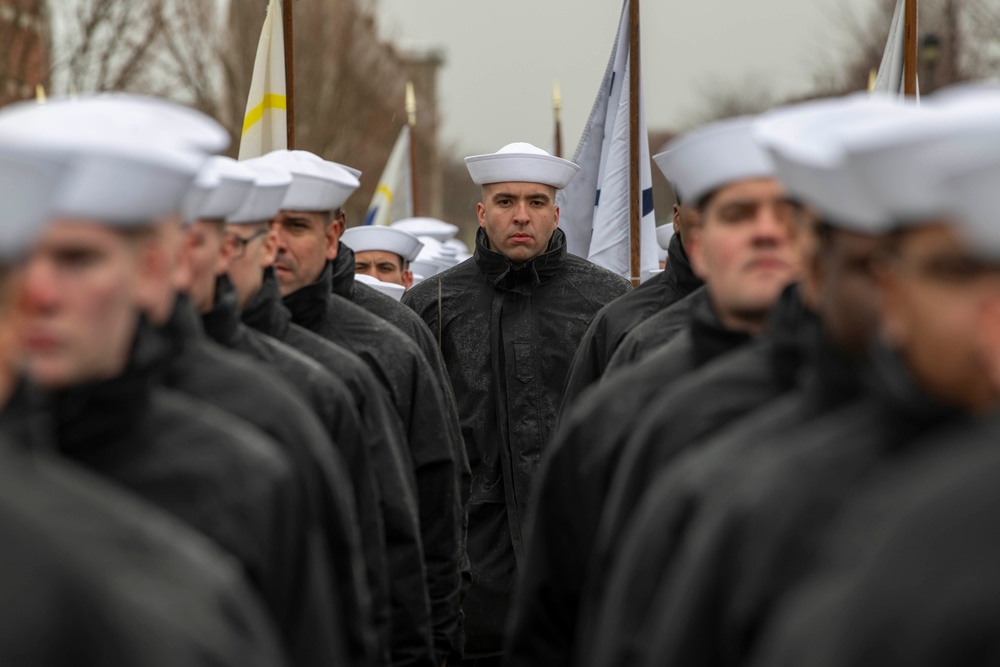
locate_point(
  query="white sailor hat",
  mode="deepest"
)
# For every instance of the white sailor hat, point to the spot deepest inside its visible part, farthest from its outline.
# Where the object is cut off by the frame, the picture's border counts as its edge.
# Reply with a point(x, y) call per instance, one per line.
point(663, 235)
point(389, 289)
point(133, 158)
point(387, 239)
point(521, 163)
point(356, 173)
point(805, 143)
point(28, 184)
point(220, 189)
point(267, 195)
point(428, 266)
point(317, 184)
point(432, 227)
point(701, 161)
point(899, 159)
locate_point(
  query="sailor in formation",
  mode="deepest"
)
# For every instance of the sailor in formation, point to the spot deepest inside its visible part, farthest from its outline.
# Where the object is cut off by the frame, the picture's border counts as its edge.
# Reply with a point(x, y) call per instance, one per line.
point(236, 432)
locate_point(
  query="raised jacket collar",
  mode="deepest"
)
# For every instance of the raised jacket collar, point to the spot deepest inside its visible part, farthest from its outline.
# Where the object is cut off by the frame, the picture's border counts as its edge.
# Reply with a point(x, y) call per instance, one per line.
point(500, 272)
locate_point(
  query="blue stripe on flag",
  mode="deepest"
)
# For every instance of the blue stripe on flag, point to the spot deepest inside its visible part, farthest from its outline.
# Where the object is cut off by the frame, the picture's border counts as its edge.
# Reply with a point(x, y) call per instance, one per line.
point(370, 216)
point(597, 199)
point(647, 202)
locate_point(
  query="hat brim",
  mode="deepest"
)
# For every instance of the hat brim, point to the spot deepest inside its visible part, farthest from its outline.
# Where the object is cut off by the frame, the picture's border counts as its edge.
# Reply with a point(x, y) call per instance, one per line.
point(521, 168)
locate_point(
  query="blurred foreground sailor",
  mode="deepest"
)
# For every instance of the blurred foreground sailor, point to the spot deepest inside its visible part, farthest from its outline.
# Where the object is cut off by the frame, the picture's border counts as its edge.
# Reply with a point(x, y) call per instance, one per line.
point(383, 252)
point(308, 243)
point(383, 488)
point(508, 321)
point(907, 575)
point(75, 548)
point(683, 466)
point(85, 284)
point(746, 250)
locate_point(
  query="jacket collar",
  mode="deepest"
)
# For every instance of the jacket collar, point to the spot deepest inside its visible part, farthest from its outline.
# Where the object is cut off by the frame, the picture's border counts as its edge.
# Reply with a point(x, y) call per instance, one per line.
point(500, 273)
point(184, 326)
point(710, 338)
point(265, 312)
point(789, 332)
point(310, 305)
point(222, 322)
point(342, 273)
point(679, 267)
point(89, 416)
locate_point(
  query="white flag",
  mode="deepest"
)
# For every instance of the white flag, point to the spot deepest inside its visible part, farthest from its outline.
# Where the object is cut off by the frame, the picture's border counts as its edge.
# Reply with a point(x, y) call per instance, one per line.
point(595, 206)
point(393, 198)
point(891, 71)
point(265, 122)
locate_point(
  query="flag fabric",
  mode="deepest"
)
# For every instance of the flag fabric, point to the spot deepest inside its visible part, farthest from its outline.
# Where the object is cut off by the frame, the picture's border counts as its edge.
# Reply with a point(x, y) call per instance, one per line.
point(265, 121)
point(891, 72)
point(594, 207)
point(393, 198)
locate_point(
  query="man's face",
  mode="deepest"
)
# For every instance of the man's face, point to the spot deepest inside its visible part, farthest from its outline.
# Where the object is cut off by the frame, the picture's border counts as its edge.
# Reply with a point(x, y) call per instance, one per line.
point(519, 218)
point(386, 266)
point(842, 280)
point(745, 247)
point(204, 258)
point(252, 249)
point(81, 289)
point(306, 241)
point(932, 296)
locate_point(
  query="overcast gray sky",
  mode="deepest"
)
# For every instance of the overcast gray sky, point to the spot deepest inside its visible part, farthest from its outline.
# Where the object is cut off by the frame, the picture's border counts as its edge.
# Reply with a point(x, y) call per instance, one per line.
point(503, 56)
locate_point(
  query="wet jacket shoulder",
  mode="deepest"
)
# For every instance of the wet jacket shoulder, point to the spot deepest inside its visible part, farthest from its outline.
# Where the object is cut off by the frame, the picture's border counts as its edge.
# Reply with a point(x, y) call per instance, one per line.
point(726, 387)
point(615, 320)
point(791, 494)
point(922, 522)
point(241, 386)
point(653, 332)
point(81, 547)
point(219, 476)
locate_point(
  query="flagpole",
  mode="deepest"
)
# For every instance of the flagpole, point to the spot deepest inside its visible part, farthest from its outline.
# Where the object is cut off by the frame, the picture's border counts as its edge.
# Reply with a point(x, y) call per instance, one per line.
point(635, 214)
point(289, 38)
point(910, 49)
point(411, 120)
point(557, 111)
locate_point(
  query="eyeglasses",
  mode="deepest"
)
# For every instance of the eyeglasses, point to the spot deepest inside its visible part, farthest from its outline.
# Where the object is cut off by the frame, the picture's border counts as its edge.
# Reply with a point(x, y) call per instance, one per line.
point(240, 244)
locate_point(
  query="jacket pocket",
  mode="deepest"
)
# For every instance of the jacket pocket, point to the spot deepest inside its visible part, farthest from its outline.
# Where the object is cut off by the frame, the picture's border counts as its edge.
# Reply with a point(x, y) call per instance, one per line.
point(523, 367)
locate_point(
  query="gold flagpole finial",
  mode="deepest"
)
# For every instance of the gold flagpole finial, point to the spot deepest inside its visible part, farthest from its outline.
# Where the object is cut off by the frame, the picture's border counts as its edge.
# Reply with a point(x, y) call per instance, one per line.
point(556, 99)
point(872, 78)
point(411, 105)
point(40, 93)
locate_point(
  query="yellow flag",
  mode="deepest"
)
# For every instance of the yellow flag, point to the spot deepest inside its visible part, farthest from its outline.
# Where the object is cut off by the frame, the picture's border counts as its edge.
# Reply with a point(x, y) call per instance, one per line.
point(265, 121)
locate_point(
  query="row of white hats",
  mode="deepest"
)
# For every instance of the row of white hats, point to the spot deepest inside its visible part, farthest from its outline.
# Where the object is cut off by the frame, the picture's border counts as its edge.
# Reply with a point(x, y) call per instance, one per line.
point(129, 160)
point(428, 244)
point(866, 163)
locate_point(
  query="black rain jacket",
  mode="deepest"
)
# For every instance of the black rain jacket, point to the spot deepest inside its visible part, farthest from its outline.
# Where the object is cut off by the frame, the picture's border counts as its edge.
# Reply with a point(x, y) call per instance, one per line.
point(383, 443)
point(249, 390)
point(76, 550)
point(218, 475)
point(508, 336)
point(420, 403)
